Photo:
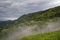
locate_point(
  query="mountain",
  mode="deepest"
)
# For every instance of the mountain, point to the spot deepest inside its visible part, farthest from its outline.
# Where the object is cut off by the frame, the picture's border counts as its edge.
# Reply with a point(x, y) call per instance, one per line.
point(47, 20)
point(5, 24)
point(36, 16)
point(41, 15)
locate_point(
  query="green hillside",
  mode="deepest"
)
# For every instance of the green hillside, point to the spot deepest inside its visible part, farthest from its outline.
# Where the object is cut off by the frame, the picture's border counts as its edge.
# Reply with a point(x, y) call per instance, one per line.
point(45, 36)
point(37, 18)
point(41, 15)
point(45, 15)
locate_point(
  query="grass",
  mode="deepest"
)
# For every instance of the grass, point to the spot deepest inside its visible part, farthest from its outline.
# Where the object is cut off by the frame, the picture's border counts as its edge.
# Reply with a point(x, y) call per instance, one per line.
point(45, 36)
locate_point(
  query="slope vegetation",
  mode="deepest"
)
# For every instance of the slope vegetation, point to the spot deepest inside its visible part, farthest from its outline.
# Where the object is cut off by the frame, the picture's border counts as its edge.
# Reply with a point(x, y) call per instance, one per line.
point(46, 36)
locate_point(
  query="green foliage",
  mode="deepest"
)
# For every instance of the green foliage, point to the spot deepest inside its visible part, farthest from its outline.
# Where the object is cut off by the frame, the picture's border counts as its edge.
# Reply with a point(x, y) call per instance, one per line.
point(45, 36)
point(4, 32)
point(41, 15)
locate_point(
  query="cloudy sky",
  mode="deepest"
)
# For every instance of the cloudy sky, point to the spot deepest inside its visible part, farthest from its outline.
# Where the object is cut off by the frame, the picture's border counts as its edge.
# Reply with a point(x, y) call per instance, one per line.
point(12, 9)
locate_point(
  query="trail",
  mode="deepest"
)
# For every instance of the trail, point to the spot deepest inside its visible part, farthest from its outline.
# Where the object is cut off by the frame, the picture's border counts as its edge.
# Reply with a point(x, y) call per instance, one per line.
point(28, 30)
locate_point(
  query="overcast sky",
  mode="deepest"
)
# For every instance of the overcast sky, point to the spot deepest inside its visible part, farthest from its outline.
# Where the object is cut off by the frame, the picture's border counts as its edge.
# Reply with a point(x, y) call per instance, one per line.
point(12, 9)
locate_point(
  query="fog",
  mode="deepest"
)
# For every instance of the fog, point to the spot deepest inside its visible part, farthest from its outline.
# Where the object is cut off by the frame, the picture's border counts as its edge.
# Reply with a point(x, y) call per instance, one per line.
point(32, 29)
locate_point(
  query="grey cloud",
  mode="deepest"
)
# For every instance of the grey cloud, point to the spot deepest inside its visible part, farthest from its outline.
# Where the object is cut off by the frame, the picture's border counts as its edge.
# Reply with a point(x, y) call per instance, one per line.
point(16, 8)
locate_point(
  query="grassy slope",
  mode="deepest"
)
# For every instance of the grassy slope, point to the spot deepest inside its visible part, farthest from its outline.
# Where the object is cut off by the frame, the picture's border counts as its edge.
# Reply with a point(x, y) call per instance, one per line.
point(46, 36)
